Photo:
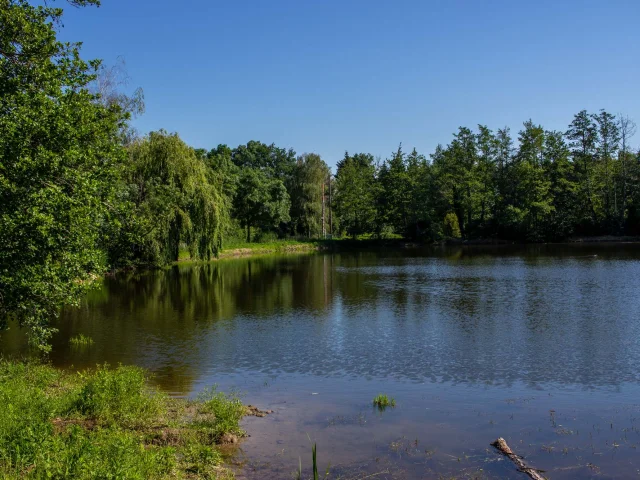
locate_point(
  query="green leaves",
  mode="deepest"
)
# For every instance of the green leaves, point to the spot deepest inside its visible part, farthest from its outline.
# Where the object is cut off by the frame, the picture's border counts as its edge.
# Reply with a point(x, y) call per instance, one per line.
point(310, 183)
point(58, 153)
point(356, 193)
point(260, 201)
point(172, 199)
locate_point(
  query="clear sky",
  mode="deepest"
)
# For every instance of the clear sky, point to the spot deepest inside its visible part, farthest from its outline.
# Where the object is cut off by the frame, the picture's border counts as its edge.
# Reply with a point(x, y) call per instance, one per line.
point(327, 76)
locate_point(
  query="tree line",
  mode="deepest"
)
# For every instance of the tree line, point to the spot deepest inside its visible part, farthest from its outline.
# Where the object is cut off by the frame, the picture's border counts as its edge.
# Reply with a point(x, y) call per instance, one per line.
point(81, 192)
point(541, 186)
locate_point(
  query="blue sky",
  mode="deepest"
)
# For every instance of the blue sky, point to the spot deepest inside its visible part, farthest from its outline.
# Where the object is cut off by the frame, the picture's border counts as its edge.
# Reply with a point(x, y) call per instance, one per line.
point(327, 76)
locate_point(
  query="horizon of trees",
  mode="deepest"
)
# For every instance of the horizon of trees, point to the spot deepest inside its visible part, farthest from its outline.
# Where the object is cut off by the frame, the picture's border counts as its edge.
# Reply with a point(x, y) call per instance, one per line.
point(541, 186)
point(81, 192)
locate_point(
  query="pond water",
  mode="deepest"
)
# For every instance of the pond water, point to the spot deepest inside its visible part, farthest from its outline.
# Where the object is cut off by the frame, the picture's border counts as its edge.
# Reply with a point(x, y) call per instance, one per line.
point(539, 345)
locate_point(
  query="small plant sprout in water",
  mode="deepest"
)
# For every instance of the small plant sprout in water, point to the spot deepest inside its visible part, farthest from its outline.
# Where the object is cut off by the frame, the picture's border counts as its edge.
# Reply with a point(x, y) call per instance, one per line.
point(383, 401)
point(316, 475)
point(81, 341)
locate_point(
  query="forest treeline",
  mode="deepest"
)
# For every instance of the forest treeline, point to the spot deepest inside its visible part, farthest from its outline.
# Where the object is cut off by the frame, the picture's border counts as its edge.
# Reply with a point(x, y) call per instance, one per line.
point(81, 192)
point(541, 185)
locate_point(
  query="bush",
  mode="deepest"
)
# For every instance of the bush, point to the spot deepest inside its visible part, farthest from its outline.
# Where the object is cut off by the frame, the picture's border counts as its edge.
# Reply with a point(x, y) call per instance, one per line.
point(451, 226)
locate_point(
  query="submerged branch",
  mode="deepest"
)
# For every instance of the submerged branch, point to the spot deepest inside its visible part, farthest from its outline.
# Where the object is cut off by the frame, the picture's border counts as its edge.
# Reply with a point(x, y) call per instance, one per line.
point(502, 446)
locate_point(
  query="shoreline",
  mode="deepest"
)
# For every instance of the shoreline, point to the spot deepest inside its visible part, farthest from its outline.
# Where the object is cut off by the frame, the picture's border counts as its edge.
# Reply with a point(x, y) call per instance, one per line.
point(286, 247)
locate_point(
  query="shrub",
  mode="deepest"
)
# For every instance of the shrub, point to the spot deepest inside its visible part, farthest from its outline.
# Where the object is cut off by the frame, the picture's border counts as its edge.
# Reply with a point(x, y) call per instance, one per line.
point(451, 226)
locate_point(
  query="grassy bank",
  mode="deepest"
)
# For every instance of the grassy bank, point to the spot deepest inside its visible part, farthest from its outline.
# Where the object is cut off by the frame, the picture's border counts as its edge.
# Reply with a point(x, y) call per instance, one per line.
point(244, 249)
point(239, 249)
point(109, 423)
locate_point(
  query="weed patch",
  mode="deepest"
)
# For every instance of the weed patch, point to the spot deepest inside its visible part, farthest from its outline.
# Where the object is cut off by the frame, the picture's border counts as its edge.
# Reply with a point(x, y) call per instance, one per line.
point(108, 423)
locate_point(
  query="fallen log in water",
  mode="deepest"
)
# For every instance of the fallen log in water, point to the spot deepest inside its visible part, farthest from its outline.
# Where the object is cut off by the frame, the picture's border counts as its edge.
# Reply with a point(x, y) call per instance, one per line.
point(502, 446)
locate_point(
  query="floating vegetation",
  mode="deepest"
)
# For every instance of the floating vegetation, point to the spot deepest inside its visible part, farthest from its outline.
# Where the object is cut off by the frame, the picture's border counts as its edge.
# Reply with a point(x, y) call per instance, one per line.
point(383, 401)
point(81, 341)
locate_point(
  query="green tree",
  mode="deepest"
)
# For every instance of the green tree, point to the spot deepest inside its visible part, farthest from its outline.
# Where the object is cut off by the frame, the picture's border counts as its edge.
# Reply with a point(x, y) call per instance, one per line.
point(175, 200)
point(273, 163)
point(260, 201)
point(355, 195)
point(564, 186)
point(583, 138)
point(223, 172)
point(607, 150)
point(310, 185)
point(420, 208)
point(394, 193)
point(633, 206)
point(451, 226)
point(534, 203)
point(485, 174)
point(455, 178)
point(627, 129)
point(59, 149)
point(503, 192)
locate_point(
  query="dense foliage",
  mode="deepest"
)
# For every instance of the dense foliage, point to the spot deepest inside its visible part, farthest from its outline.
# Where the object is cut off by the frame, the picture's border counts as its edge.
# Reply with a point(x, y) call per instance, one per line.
point(170, 198)
point(549, 186)
point(58, 151)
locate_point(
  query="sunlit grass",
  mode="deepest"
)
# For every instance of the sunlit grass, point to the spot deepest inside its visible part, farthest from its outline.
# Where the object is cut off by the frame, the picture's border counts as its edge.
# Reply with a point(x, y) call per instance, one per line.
point(107, 423)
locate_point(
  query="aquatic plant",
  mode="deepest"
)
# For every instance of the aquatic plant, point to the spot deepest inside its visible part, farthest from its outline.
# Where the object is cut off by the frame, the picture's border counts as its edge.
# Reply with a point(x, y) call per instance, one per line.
point(383, 401)
point(314, 457)
point(81, 341)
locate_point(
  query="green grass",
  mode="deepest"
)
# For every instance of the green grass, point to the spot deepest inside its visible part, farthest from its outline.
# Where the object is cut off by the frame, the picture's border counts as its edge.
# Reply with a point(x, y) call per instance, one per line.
point(236, 248)
point(383, 401)
point(80, 341)
point(108, 423)
point(226, 409)
point(314, 459)
point(271, 245)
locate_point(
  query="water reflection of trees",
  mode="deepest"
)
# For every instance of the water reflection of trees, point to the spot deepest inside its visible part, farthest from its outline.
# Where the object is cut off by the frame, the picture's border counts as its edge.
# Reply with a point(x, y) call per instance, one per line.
point(458, 315)
point(158, 318)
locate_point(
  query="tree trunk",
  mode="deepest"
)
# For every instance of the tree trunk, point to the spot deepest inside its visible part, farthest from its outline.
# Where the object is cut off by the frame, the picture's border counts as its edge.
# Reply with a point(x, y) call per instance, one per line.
point(248, 233)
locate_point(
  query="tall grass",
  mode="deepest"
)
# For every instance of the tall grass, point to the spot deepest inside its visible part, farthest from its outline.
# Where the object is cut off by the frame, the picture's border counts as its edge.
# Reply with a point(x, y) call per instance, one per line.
point(119, 397)
point(107, 423)
point(314, 458)
point(223, 412)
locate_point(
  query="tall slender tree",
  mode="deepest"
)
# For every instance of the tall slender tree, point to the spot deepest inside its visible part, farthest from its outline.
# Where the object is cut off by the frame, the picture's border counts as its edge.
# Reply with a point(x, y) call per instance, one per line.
point(583, 139)
point(356, 193)
point(607, 150)
point(310, 185)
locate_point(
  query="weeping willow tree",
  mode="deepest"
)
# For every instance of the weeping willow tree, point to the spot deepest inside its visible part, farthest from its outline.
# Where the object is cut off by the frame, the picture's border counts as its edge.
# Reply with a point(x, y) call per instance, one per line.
point(174, 199)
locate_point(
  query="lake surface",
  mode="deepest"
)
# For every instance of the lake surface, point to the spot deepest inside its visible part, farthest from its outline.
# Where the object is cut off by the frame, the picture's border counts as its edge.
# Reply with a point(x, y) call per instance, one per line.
point(540, 345)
